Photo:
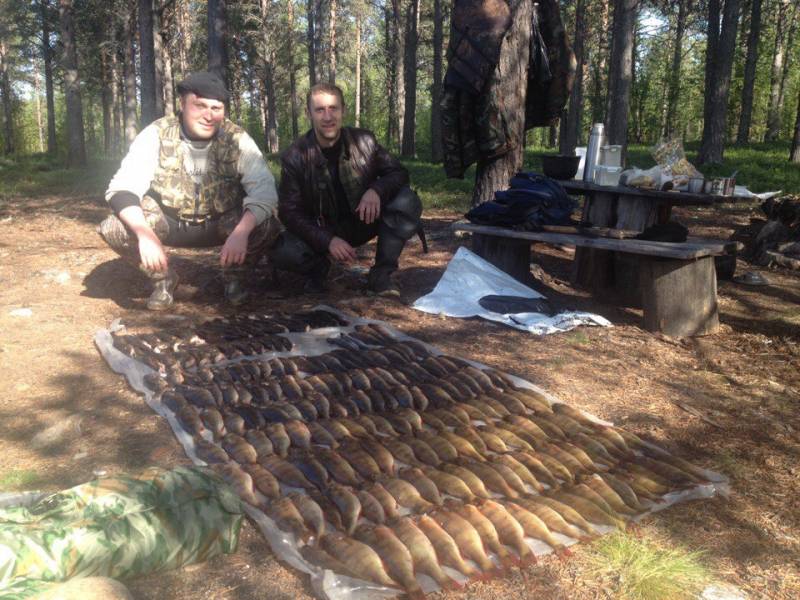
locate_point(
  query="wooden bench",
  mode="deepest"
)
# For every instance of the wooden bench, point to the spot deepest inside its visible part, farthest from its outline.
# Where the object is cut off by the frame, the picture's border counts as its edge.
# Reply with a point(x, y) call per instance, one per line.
point(676, 283)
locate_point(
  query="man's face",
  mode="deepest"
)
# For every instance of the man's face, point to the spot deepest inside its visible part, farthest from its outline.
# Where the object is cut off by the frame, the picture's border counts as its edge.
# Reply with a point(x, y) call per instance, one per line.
point(325, 112)
point(201, 117)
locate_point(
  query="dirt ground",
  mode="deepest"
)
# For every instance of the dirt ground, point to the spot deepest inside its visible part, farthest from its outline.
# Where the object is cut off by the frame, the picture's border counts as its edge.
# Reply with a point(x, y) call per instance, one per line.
point(64, 416)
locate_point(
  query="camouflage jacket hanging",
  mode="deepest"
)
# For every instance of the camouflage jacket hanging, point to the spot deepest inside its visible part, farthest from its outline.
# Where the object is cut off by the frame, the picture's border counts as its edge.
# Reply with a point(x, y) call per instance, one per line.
point(474, 124)
point(173, 185)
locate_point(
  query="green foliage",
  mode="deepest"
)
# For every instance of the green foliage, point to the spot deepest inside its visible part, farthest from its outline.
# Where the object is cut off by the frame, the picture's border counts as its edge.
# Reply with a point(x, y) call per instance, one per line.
point(436, 190)
point(17, 479)
point(639, 569)
point(41, 175)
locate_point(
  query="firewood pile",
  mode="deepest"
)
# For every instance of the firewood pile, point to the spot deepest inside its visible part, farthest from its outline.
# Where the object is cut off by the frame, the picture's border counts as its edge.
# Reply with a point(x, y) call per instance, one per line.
point(776, 239)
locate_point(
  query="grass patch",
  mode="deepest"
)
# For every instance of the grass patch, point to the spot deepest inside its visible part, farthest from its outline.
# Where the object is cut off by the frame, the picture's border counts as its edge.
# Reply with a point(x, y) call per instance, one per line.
point(42, 175)
point(637, 569)
point(16, 479)
point(730, 465)
point(578, 337)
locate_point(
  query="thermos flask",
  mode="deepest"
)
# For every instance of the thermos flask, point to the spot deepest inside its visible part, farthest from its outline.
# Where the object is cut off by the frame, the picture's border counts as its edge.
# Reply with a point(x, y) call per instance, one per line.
point(597, 138)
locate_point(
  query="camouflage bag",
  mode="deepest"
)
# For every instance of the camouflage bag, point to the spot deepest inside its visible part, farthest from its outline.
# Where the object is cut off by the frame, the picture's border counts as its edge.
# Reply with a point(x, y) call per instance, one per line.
point(120, 527)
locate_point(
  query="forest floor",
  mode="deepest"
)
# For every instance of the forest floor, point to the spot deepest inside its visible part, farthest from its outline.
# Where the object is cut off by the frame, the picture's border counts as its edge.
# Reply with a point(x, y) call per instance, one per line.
point(64, 416)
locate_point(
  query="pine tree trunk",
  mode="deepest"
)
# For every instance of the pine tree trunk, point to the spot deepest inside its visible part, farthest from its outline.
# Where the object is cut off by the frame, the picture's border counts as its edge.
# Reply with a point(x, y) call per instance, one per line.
point(168, 81)
point(256, 85)
point(147, 62)
point(399, 83)
point(160, 53)
point(105, 98)
point(792, 29)
point(773, 113)
point(570, 126)
point(76, 156)
point(712, 145)
point(311, 36)
point(235, 81)
point(598, 101)
point(37, 93)
point(748, 85)
point(437, 152)
point(393, 46)
point(272, 109)
point(675, 73)
point(409, 148)
point(8, 101)
point(332, 42)
point(621, 73)
point(292, 71)
point(217, 36)
point(268, 87)
point(509, 80)
point(116, 99)
point(129, 75)
point(47, 57)
point(185, 45)
point(794, 153)
point(358, 70)
point(116, 102)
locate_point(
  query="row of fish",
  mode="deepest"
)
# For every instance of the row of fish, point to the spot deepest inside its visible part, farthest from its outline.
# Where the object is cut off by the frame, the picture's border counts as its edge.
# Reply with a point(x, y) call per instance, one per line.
point(386, 461)
point(222, 339)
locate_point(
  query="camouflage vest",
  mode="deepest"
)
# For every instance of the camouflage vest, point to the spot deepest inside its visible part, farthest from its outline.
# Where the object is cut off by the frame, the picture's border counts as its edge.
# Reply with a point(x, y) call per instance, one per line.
point(221, 189)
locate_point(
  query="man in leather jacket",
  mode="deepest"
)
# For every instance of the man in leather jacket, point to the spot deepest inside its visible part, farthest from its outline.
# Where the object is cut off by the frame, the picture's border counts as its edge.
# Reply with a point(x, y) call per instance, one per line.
point(339, 189)
point(193, 180)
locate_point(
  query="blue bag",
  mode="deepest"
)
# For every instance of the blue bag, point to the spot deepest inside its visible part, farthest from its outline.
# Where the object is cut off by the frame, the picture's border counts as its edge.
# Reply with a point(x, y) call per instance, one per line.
point(532, 201)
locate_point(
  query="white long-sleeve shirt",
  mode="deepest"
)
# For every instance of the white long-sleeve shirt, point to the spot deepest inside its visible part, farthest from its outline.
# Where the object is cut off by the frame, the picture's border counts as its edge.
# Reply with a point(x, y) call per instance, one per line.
point(139, 166)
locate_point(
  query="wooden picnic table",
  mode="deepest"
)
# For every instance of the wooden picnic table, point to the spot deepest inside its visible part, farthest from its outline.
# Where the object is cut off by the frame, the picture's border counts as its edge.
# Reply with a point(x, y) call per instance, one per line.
point(623, 208)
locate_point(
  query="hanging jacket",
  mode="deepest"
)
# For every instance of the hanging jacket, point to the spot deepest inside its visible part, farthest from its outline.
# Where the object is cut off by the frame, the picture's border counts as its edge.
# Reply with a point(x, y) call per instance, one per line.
point(474, 123)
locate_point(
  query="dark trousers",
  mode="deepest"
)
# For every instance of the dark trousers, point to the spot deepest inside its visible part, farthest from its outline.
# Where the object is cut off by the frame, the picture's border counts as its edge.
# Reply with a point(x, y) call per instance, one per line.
point(179, 234)
point(398, 222)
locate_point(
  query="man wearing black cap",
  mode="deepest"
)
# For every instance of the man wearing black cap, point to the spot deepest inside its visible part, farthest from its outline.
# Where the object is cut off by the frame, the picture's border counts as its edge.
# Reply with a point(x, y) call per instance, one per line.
point(193, 180)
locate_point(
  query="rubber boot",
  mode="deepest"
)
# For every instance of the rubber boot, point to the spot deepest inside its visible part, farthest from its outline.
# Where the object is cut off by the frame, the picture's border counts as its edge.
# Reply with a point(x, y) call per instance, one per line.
point(163, 290)
point(379, 281)
point(317, 278)
point(235, 292)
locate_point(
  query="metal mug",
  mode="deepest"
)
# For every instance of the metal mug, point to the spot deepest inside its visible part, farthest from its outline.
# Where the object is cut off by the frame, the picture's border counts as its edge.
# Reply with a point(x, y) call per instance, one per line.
point(696, 185)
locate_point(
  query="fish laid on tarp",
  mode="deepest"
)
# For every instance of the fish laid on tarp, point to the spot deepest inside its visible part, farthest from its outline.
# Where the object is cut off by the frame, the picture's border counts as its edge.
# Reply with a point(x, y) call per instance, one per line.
point(395, 555)
point(359, 558)
point(388, 460)
point(422, 552)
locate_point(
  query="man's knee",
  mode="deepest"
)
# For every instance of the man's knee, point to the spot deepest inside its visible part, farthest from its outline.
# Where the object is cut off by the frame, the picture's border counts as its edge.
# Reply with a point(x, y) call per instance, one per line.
point(114, 233)
point(402, 213)
point(263, 236)
point(290, 253)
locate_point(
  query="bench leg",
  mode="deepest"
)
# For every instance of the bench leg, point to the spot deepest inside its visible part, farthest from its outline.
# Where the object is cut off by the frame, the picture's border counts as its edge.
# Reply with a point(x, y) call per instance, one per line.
point(509, 255)
point(593, 269)
point(679, 297)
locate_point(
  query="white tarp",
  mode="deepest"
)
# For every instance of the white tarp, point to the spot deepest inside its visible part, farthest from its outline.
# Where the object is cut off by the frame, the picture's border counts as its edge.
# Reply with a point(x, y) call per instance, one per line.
point(468, 278)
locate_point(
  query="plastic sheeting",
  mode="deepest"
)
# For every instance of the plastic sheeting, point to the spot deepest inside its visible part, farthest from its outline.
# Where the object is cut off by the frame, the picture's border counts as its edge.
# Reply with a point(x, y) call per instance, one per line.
point(325, 583)
point(468, 278)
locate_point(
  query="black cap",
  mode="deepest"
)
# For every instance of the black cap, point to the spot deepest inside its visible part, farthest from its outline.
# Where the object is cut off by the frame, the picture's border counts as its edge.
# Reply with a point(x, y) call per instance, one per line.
point(204, 84)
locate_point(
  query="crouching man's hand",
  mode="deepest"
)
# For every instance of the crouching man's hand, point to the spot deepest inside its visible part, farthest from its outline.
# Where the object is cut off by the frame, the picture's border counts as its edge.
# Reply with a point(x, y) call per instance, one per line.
point(234, 250)
point(341, 251)
point(369, 209)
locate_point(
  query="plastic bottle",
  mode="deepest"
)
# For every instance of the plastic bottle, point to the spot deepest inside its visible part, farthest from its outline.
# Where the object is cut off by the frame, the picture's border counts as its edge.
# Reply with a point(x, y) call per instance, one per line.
point(597, 138)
